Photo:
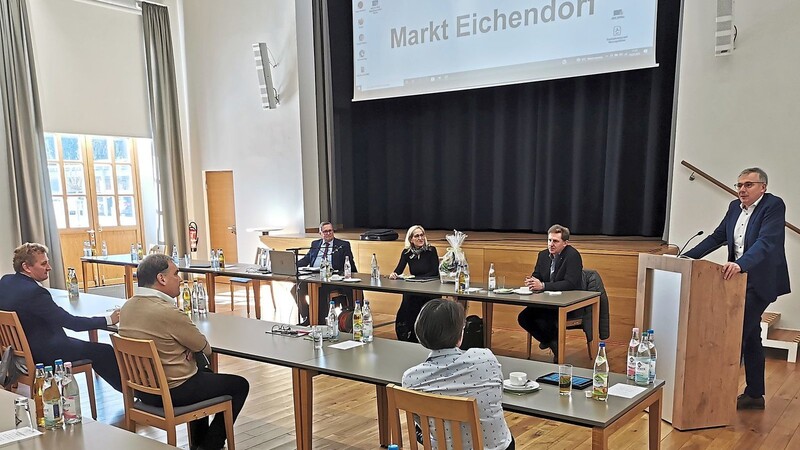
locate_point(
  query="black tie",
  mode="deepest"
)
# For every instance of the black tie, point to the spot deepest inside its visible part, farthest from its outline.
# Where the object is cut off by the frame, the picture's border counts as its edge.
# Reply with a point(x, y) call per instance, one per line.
point(552, 266)
point(325, 251)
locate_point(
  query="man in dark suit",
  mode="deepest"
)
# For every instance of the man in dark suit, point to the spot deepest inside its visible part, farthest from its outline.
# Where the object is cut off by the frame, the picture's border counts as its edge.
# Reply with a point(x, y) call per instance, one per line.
point(44, 321)
point(335, 251)
point(753, 230)
point(558, 268)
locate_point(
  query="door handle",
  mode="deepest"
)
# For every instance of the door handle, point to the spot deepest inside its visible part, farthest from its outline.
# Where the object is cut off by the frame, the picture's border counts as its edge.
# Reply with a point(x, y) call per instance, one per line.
point(232, 229)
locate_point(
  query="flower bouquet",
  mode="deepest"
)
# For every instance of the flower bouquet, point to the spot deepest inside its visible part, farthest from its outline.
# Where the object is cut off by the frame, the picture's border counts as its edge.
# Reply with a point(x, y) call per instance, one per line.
point(453, 258)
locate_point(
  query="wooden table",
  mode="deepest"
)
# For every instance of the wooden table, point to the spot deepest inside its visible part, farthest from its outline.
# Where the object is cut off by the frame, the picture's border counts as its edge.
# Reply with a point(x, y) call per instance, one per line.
point(383, 362)
point(196, 267)
point(565, 302)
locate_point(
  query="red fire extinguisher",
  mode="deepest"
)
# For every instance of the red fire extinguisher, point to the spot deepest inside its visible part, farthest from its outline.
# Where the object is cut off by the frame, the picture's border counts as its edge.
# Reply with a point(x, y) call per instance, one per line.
point(193, 236)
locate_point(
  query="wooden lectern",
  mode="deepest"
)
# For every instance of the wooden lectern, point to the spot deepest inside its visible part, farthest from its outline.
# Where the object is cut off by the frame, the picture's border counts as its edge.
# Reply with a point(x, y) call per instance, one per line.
point(697, 319)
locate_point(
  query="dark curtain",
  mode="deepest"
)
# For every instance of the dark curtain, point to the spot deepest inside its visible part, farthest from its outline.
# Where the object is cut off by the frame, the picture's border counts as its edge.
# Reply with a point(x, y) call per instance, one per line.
point(591, 153)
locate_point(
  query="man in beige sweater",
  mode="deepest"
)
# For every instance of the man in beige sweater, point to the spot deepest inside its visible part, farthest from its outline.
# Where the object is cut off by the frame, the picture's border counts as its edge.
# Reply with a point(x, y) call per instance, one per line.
point(152, 314)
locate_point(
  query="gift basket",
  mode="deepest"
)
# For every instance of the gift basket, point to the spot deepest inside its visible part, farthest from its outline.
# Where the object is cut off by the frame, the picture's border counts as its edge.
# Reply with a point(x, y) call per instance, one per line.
point(448, 268)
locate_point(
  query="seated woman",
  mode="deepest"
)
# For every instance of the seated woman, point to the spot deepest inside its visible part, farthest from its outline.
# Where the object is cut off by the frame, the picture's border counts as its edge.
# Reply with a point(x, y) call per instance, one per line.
point(449, 370)
point(422, 261)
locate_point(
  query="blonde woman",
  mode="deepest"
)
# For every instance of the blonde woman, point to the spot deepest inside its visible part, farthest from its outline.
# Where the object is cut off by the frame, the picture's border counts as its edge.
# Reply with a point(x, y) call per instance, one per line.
point(422, 261)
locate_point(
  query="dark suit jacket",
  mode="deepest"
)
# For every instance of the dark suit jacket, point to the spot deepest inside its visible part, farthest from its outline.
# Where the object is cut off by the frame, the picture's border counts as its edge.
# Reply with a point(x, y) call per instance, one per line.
point(568, 274)
point(340, 249)
point(42, 320)
point(764, 257)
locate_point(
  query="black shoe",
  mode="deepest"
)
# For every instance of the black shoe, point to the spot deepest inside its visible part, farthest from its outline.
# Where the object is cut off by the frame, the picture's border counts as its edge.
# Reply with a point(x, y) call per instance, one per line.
point(744, 401)
point(554, 348)
point(543, 345)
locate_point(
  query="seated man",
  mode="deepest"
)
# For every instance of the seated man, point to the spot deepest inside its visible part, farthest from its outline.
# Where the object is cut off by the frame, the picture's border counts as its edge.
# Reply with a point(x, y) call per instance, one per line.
point(151, 314)
point(558, 268)
point(451, 371)
point(335, 251)
point(44, 321)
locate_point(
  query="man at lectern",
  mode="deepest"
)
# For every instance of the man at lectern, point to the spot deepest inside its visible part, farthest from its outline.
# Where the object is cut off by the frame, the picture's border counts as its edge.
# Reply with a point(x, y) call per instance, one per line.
point(558, 268)
point(753, 230)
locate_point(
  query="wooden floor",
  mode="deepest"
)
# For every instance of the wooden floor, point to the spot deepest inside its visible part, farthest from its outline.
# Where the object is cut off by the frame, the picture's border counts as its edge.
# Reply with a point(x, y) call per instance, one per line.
point(345, 413)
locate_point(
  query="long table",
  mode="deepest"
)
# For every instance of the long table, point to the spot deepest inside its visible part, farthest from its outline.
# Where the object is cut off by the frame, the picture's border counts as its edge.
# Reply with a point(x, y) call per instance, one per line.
point(198, 267)
point(564, 302)
point(383, 362)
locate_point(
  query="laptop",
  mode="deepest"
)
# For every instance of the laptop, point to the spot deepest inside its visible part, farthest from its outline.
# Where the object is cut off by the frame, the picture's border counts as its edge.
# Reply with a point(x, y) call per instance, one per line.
point(283, 263)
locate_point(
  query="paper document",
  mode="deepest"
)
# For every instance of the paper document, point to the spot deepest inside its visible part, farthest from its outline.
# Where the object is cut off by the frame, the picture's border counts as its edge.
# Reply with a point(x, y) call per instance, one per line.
point(346, 345)
point(625, 390)
point(7, 437)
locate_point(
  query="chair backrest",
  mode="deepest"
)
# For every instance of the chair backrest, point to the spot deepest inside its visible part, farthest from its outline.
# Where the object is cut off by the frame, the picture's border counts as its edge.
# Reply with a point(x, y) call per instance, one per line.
point(11, 333)
point(140, 369)
point(437, 408)
point(158, 249)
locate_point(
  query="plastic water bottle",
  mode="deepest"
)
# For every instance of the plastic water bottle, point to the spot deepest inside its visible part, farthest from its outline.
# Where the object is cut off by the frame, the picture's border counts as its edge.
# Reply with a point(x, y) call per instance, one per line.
point(375, 272)
point(104, 249)
point(367, 318)
point(358, 322)
point(651, 343)
point(632, 346)
point(332, 321)
point(38, 390)
point(348, 270)
point(51, 397)
point(175, 258)
point(70, 396)
point(600, 375)
point(202, 299)
point(214, 260)
point(642, 375)
point(74, 291)
point(492, 285)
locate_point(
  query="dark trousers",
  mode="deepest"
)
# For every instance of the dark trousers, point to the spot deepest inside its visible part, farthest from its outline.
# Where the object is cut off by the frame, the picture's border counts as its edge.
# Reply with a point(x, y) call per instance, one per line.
point(104, 362)
point(752, 350)
point(541, 323)
point(407, 316)
point(203, 386)
point(345, 299)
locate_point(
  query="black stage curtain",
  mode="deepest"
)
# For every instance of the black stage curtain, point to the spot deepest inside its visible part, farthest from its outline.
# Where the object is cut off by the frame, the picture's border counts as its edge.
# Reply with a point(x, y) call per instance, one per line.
point(591, 153)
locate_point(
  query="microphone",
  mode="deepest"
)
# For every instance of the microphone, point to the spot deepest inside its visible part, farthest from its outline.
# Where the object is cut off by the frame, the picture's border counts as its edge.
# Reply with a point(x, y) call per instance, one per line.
point(699, 233)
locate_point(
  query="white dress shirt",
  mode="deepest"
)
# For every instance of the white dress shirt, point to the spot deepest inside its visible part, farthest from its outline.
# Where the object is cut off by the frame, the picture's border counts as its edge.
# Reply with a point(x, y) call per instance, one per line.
point(740, 230)
point(322, 250)
point(474, 373)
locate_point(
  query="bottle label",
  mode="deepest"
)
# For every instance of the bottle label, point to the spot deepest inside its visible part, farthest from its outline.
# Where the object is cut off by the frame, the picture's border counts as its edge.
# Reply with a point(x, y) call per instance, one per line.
point(600, 386)
point(631, 366)
point(642, 371)
point(52, 412)
point(652, 369)
point(72, 407)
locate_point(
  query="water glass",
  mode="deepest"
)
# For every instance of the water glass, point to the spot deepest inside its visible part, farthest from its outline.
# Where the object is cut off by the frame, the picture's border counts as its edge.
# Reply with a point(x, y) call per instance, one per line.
point(318, 334)
point(565, 379)
point(23, 417)
point(187, 260)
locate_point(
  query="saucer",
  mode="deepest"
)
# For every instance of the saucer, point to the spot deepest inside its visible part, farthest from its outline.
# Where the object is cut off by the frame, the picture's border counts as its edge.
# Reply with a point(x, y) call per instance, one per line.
point(530, 386)
point(523, 291)
point(337, 278)
point(503, 291)
point(351, 280)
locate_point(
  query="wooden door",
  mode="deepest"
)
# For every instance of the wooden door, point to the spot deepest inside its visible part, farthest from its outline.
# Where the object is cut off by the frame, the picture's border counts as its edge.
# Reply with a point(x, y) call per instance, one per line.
point(222, 213)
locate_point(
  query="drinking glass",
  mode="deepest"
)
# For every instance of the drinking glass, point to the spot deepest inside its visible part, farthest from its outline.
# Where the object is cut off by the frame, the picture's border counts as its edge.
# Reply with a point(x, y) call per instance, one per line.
point(318, 334)
point(565, 379)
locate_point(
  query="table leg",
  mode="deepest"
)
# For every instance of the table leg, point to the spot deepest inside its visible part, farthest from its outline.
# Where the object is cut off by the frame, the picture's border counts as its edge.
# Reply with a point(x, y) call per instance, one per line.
point(257, 296)
point(128, 281)
point(214, 362)
point(303, 390)
point(313, 302)
point(211, 289)
point(83, 273)
point(595, 326)
point(562, 334)
point(383, 415)
point(600, 438)
point(92, 335)
point(654, 422)
point(488, 313)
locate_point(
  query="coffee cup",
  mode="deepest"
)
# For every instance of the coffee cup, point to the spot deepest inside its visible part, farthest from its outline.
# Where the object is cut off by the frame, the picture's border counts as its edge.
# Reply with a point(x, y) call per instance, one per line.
point(518, 378)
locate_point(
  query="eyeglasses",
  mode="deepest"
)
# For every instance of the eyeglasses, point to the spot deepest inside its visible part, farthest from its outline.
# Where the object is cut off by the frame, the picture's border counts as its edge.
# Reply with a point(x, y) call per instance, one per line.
point(417, 235)
point(747, 184)
point(327, 231)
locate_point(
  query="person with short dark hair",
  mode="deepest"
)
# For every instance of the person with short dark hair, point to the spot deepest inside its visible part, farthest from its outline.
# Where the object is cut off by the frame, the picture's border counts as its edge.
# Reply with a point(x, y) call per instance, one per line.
point(44, 321)
point(474, 373)
point(754, 234)
point(558, 268)
point(152, 314)
point(335, 250)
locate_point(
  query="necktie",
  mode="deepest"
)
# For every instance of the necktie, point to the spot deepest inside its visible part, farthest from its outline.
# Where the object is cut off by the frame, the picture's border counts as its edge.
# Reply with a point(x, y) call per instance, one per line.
point(552, 266)
point(325, 251)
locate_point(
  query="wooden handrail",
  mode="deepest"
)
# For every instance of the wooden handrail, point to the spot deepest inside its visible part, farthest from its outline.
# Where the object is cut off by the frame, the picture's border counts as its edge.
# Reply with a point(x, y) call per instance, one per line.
point(727, 188)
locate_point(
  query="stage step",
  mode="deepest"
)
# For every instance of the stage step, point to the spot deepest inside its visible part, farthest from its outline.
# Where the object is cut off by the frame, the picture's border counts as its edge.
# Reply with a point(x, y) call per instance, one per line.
point(773, 337)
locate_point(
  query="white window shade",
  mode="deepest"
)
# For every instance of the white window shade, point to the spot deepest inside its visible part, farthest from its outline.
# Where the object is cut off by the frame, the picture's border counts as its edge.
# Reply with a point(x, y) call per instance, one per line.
point(90, 68)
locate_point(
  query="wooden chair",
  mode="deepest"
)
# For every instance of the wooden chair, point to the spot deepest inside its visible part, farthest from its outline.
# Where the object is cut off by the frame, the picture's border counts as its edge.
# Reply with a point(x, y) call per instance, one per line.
point(11, 333)
point(440, 409)
point(141, 370)
point(582, 318)
point(248, 284)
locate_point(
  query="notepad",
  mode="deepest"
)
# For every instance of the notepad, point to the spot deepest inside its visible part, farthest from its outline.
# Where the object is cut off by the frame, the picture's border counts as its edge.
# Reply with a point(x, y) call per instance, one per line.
point(346, 345)
point(625, 390)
